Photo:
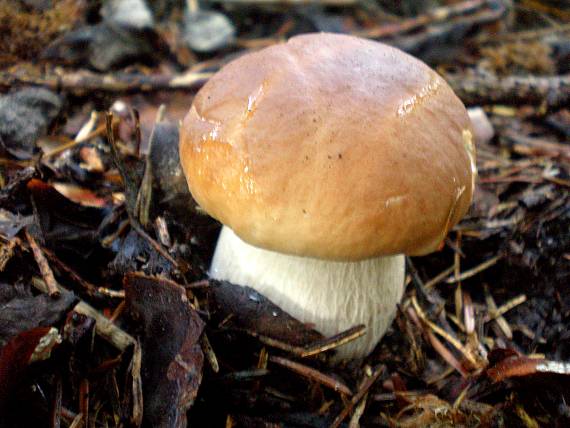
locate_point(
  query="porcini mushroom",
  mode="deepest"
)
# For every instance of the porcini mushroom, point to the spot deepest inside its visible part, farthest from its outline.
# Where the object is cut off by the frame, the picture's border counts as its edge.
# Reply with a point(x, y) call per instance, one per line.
point(327, 158)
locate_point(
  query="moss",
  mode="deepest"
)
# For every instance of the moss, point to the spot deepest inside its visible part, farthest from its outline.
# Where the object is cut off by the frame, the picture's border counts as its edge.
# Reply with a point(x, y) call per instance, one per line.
point(26, 33)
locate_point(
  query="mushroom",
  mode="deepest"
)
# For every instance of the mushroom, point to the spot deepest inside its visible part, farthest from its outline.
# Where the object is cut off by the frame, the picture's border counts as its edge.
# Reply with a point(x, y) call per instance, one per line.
point(327, 158)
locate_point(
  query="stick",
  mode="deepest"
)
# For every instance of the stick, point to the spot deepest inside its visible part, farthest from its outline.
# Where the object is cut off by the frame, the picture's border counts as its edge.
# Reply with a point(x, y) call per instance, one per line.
point(104, 328)
point(357, 397)
point(312, 374)
point(43, 264)
point(552, 92)
point(82, 82)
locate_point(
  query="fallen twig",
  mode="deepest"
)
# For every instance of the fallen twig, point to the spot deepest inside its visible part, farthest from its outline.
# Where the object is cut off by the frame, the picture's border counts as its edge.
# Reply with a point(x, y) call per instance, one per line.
point(312, 374)
point(367, 384)
point(43, 264)
point(81, 82)
point(549, 92)
point(474, 271)
point(314, 348)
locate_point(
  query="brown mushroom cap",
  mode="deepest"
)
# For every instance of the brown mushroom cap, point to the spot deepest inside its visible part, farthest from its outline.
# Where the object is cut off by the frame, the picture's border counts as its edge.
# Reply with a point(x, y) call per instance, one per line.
point(330, 146)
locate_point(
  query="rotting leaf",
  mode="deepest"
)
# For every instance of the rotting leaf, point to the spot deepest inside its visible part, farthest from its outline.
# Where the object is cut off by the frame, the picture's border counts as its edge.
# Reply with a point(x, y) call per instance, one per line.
point(61, 220)
point(28, 346)
point(80, 195)
point(250, 310)
point(11, 224)
point(172, 358)
point(15, 185)
point(24, 117)
point(21, 311)
point(133, 249)
point(513, 366)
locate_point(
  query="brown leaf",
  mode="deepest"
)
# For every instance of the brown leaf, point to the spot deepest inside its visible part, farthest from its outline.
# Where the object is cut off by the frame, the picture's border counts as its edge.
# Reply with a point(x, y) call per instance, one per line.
point(15, 357)
point(20, 311)
point(521, 366)
point(172, 358)
point(80, 195)
point(250, 310)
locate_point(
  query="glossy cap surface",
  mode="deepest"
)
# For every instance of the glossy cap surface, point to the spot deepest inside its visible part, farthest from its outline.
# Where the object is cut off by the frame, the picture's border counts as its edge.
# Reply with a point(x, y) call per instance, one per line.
point(330, 146)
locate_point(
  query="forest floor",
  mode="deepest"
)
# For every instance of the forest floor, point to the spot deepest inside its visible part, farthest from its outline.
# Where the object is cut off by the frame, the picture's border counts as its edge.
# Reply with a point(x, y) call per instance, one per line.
point(107, 315)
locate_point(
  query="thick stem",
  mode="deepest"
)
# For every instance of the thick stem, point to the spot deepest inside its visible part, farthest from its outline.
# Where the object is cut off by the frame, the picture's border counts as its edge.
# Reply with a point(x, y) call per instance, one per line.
point(332, 296)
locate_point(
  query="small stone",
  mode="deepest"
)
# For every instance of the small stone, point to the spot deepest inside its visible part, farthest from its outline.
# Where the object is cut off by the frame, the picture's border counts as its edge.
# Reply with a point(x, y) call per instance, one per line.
point(208, 31)
point(104, 46)
point(482, 127)
point(24, 117)
point(128, 13)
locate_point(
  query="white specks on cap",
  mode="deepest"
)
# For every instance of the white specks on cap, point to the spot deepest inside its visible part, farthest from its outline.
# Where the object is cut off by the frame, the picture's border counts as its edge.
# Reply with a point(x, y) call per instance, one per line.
point(394, 200)
point(253, 100)
point(409, 104)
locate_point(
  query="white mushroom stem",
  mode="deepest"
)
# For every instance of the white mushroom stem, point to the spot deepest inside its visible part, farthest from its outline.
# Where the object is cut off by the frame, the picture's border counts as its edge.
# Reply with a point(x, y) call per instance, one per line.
point(330, 296)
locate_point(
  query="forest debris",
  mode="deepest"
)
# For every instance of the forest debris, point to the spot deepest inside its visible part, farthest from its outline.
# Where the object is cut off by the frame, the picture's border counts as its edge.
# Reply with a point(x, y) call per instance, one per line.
point(364, 387)
point(251, 311)
point(84, 81)
point(530, 146)
point(429, 410)
point(552, 92)
point(513, 365)
point(206, 30)
point(520, 216)
point(116, 337)
point(105, 328)
point(136, 253)
point(493, 312)
point(128, 13)
point(518, 57)
point(89, 288)
point(439, 331)
point(172, 363)
point(209, 353)
point(311, 349)
point(25, 29)
point(18, 181)
point(334, 341)
point(288, 2)
point(312, 374)
point(104, 46)
point(439, 277)
point(438, 346)
point(81, 195)
point(357, 413)
point(129, 177)
point(43, 264)
point(503, 309)
point(473, 271)
point(11, 224)
point(21, 350)
point(25, 116)
point(22, 312)
point(431, 18)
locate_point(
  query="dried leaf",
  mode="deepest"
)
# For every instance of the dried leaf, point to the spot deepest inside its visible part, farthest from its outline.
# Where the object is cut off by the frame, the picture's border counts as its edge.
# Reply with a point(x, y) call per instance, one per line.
point(250, 310)
point(21, 311)
point(172, 358)
point(80, 195)
point(514, 366)
point(23, 349)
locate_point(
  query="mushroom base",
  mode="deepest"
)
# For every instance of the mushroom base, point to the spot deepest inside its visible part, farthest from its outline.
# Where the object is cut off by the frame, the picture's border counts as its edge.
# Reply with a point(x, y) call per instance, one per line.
point(331, 296)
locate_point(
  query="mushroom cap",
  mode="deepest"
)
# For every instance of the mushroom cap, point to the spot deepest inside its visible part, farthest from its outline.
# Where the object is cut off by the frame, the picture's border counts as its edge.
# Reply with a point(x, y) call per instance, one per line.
point(330, 146)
